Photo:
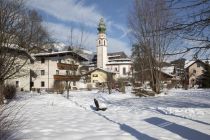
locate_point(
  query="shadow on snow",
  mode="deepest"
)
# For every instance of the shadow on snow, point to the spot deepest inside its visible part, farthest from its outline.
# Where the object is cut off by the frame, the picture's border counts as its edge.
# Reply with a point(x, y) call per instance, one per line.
point(128, 129)
point(183, 131)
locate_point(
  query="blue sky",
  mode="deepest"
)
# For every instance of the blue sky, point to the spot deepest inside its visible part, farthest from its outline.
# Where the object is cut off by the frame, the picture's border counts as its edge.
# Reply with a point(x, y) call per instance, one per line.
point(60, 16)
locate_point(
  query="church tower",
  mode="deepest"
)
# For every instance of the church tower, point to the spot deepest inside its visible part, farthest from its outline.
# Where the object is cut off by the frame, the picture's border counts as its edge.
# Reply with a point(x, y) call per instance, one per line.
point(101, 45)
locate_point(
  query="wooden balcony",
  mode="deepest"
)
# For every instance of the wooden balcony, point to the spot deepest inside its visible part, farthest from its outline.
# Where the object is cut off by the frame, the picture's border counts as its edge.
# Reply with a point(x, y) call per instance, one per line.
point(67, 77)
point(64, 66)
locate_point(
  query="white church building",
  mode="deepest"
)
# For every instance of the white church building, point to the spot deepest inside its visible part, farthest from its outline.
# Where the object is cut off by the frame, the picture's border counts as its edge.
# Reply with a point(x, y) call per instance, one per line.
point(117, 62)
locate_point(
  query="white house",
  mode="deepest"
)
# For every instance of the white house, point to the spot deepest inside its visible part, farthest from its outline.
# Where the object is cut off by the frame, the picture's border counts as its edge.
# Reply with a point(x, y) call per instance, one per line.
point(21, 78)
point(57, 66)
point(47, 68)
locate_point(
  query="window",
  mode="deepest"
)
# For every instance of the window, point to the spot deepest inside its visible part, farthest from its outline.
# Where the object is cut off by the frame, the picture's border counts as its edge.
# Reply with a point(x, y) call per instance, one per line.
point(99, 42)
point(104, 42)
point(42, 72)
point(194, 71)
point(42, 84)
point(115, 69)
point(198, 65)
point(74, 73)
point(42, 60)
point(95, 75)
point(95, 81)
point(67, 72)
point(57, 72)
point(74, 83)
point(17, 84)
point(59, 60)
point(32, 61)
point(17, 68)
point(124, 71)
point(32, 84)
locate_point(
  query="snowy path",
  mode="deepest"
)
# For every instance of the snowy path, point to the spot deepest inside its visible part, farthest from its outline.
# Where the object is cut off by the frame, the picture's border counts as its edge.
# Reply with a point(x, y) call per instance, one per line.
point(179, 115)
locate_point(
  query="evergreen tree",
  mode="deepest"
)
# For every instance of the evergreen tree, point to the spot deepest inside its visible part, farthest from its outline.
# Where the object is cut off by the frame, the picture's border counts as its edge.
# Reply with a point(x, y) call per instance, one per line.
point(206, 77)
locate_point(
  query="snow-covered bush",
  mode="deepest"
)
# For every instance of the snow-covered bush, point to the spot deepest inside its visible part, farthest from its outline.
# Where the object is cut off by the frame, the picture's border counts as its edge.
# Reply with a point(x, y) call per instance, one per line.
point(9, 91)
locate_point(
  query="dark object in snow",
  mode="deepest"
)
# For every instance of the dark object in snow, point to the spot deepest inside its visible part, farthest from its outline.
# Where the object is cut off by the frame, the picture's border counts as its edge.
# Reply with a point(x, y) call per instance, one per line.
point(97, 106)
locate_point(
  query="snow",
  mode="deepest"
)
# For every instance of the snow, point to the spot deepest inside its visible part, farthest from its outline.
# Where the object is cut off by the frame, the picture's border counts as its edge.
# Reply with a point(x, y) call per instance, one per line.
point(188, 63)
point(179, 114)
point(168, 70)
point(122, 62)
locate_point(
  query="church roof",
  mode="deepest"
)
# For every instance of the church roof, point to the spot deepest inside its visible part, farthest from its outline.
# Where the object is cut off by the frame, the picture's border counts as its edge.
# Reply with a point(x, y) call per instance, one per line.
point(117, 54)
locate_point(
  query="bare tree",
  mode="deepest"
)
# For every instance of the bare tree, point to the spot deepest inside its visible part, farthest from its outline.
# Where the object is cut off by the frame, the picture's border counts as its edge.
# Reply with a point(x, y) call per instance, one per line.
point(110, 81)
point(11, 120)
point(192, 23)
point(77, 41)
point(146, 20)
point(21, 33)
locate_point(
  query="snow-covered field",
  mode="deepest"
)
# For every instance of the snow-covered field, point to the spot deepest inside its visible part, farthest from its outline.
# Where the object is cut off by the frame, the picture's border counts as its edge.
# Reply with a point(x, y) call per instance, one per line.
point(181, 114)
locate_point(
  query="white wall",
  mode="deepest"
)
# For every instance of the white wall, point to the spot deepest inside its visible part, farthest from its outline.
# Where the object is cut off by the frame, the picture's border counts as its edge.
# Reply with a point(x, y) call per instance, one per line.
point(22, 77)
point(119, 71)
point(50, 67)
point(101, 51)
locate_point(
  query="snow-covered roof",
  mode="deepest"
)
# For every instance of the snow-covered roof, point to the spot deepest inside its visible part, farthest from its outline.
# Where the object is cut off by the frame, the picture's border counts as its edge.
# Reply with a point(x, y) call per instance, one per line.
point(60, 53)
point(168, 70)
point(118, 63)
point(17, 49)
point(188, 63)
point(120, 59)
point(50, 53)
point(113, 56)
point(167, 73)
point(122, 54)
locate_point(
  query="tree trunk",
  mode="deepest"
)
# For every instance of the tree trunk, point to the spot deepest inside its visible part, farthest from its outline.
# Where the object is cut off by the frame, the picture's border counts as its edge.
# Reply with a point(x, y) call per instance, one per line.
point(1, 92)
point(68, 88)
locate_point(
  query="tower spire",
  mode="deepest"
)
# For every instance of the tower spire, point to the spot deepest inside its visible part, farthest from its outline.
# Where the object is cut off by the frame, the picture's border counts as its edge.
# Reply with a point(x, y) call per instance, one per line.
point(101, 26)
